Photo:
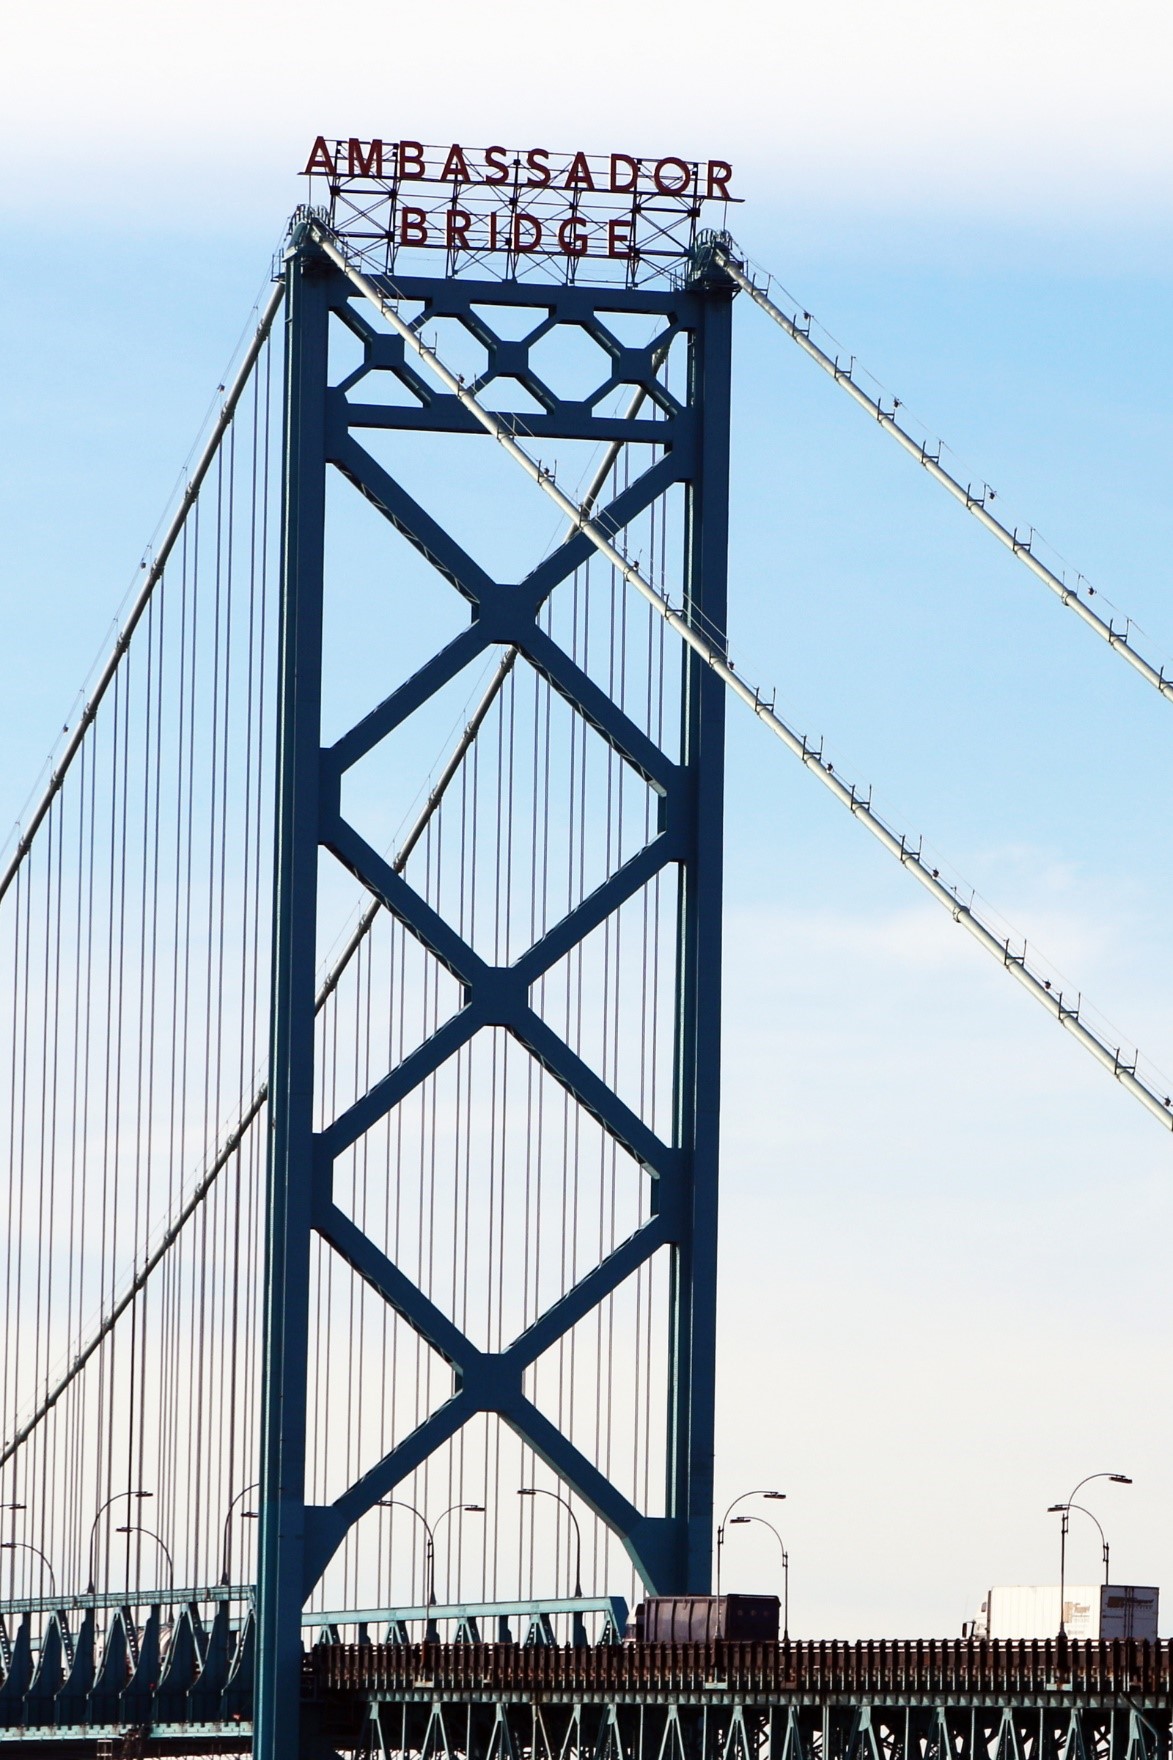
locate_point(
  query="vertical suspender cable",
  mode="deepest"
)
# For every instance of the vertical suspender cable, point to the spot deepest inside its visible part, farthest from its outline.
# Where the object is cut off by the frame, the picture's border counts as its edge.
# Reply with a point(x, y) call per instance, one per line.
point(154, 573)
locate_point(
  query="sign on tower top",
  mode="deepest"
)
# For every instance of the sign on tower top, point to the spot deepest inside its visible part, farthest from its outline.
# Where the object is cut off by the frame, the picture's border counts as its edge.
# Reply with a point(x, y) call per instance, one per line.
point(506, 213)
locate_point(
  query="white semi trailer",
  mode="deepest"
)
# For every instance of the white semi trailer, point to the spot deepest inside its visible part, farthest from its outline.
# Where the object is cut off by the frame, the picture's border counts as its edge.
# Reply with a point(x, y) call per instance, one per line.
point(1108, 1610)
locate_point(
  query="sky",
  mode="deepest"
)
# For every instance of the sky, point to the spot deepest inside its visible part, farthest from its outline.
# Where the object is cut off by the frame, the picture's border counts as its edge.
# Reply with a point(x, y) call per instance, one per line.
point(944, 1264)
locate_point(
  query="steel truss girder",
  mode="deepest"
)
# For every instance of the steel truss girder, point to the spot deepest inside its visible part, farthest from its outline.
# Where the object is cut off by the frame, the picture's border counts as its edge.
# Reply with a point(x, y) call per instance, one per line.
point(296, 1541)
point(927, 1699)
point(720, 1725)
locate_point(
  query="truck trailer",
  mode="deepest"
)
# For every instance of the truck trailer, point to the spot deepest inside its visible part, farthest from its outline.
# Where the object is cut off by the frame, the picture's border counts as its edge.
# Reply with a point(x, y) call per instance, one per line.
point(705, 1619)
point(1108, 1610)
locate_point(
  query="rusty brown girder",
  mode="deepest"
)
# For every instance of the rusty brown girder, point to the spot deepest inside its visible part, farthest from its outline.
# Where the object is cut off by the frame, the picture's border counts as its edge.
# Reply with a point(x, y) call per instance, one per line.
point(906, 1669)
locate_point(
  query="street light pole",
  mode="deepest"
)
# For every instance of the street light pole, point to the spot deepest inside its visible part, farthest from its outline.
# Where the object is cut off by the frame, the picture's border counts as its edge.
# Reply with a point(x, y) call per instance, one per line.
point(743, 1521)
point(118, 1495)
point(15, 1507)
point(1066, 1511)
point(770, 1496)
point(431, 1635)
point(543, 1491)
point(136, 1528)
point(578, 1632)
point(1103, 1537)
point(1066, 1508)
point(471, 1509)
point(226, 1548)
point(26, 1546)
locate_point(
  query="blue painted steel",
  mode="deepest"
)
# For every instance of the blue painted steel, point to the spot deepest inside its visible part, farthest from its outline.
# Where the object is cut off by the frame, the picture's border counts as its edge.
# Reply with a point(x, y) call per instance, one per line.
point(478, 1614)
point(698, 1061)
point(671, 1552)
point(284, 1520)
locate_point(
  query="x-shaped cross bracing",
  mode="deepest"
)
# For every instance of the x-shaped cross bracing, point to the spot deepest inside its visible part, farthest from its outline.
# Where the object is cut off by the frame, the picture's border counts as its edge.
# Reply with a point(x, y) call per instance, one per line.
point(498, 995)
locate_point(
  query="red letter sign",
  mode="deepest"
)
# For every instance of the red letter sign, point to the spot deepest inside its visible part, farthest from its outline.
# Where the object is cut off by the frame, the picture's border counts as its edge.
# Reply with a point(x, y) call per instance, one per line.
point(542, 171)
point(719, 175)
point(319, 160)
point(413, 228)
point(669, 186)
point(360, 164)
point(409, 159)
point(631, 170)
point(579, 175)
point(619, 238)
point(572, 238)
point(457, 225)
point(455, 167)
point(495, 162)
point(535, 237)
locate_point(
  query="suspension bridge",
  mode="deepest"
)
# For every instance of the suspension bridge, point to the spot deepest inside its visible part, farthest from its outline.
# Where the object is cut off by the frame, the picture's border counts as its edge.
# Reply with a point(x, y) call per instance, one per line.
point(362, 1057)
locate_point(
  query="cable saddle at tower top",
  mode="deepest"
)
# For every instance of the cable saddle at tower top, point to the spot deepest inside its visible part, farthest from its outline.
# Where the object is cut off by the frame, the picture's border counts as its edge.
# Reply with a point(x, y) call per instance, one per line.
point(735, 263)
point(1027, 973)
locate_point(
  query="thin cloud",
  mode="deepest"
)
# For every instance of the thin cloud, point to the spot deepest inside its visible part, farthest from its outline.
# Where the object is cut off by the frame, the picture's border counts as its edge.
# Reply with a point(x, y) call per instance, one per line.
point(996, 111)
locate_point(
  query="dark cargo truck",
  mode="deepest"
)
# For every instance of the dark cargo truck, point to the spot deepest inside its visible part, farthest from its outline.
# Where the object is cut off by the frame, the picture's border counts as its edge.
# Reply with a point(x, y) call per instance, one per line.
point(706, 1619)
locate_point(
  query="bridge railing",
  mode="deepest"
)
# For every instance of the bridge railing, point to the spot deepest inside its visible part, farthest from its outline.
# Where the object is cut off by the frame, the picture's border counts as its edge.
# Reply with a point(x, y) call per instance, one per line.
point(574, 1621)
point(902, 1669)
point(186, 1656)
point(140, 1656)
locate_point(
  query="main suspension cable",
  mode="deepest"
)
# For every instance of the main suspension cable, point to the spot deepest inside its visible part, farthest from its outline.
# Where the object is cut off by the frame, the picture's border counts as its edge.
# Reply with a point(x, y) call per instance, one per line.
point(859, 804)
point(1021, 547)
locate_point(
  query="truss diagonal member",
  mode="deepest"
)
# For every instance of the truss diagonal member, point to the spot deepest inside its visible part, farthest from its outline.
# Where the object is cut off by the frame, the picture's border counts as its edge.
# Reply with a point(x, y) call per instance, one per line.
point(593, 910)
point(930, 462)
point(713, 657)
point(413, 522)
point(572, 1466)
point(331, 1521)
point(415, 1068)
point(643, 1536)
point(584, 1296)
point(593, 1094)
point(630, 501)
point(386, 716)
point(406, 1298)
point(443, 781)
point(413, 911)
point(597, 709)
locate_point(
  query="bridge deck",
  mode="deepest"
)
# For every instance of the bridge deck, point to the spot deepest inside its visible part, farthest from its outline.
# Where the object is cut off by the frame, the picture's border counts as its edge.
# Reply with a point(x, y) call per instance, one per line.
point(912, 1670)
point(925, 1699)
point(931, 1699)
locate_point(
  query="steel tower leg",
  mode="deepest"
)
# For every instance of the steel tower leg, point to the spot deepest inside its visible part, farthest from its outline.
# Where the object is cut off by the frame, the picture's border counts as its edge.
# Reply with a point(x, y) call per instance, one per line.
point(281, 1570)
point(692, 1388)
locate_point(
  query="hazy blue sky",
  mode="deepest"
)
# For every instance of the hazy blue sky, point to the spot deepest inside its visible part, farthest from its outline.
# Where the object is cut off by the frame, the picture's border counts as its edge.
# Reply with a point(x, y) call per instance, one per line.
point(945, 1233)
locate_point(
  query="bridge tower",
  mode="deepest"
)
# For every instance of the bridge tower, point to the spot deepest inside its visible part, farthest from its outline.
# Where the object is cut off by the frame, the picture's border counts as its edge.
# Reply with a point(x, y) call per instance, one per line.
point(677, 434)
